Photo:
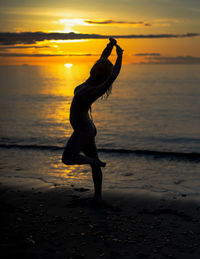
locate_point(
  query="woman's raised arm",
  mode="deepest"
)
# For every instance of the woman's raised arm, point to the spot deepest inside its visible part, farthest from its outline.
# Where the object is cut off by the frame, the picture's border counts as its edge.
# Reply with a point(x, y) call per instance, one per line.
point(107, 51)
point(101, 89)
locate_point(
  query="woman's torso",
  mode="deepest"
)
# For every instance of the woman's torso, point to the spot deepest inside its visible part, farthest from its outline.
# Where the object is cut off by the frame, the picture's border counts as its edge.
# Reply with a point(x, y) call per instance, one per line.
point(79, 111)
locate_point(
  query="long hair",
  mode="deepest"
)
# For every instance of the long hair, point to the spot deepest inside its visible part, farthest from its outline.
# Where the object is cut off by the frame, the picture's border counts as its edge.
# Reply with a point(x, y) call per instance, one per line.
point(101, 71)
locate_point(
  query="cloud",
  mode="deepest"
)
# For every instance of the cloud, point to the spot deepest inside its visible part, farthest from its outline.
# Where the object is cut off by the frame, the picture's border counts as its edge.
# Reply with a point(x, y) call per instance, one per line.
point(23, 47)
point(147, 54)
point(173, 60)
point(11, 38)
point(104, 22)
point(45, 55)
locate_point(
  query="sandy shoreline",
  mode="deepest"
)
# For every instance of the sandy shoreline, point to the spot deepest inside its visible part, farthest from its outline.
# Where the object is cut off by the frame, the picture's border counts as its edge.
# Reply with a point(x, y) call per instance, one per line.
point(58, 222)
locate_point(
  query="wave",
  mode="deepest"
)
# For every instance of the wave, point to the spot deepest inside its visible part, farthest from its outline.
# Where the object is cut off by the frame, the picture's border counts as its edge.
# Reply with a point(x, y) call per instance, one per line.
point(158, 154)
point(150, 153)
point(33, 146)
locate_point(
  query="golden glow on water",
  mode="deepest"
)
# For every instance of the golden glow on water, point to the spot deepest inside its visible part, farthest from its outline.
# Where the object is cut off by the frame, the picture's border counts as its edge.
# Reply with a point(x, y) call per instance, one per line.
point(60, 80)
point(70, 173)
point(60, 114)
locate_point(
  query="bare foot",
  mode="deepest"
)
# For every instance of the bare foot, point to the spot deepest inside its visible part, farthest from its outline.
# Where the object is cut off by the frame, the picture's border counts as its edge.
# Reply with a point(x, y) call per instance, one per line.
point(98, 162)
point(96, 201)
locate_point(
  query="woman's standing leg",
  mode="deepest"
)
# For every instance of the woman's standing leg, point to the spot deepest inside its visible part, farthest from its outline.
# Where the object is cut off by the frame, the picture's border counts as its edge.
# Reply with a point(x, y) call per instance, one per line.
point(85, 141)
point(91, 151)
point(97, 179)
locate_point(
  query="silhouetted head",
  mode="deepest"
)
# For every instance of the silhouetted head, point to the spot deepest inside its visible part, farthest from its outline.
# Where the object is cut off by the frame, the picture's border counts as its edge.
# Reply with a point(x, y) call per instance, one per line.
point(101, 70)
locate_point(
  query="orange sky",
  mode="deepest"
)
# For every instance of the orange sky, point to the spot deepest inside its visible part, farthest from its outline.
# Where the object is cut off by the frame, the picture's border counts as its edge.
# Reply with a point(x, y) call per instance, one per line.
point(180, 19)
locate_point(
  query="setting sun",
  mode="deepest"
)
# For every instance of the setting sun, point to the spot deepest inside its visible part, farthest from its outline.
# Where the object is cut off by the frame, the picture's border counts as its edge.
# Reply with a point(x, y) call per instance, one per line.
point(69, 23)
point(68, 65)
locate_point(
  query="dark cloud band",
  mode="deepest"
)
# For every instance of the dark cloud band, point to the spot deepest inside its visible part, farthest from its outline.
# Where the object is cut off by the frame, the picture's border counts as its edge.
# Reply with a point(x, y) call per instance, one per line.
point(23, 47)
point(9, 38)
point(174, 60)
point(147, 54)
point(104, 22)
point(45, 55)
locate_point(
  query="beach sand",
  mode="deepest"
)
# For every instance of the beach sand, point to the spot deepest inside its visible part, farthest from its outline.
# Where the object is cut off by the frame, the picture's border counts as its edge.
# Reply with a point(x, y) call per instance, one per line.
point(45, 221)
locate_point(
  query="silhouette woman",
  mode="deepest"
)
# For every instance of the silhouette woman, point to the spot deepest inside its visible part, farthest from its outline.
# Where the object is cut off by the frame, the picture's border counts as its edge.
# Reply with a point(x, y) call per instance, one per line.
point(102, 75)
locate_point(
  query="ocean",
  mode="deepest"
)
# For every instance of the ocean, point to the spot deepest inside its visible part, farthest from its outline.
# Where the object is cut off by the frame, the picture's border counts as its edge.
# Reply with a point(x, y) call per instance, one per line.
point(148, 129)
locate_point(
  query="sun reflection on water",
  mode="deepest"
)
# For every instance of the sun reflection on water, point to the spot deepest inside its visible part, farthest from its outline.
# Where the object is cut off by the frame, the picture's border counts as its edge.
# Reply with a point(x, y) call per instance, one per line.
point(60, 80)
point(71, 173)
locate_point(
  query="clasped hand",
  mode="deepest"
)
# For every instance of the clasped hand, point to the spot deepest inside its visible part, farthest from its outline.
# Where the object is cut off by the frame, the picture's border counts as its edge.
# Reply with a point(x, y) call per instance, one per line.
point(119, 50)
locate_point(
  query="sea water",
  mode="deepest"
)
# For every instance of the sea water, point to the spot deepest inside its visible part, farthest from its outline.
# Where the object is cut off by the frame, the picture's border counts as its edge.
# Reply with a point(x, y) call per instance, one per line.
point(148, 129)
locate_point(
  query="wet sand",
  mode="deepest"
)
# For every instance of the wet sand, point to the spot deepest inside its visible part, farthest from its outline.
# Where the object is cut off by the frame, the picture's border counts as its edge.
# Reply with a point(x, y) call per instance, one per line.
point(59, 222)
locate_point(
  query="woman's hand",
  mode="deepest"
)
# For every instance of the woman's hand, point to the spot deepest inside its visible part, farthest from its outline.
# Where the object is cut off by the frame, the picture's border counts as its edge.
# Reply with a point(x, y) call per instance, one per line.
point(119, 50)
point(113, 41)
point(107, 51)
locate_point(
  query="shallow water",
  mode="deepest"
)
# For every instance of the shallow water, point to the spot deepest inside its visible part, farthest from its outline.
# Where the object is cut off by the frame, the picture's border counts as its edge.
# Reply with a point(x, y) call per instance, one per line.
point(152, 108)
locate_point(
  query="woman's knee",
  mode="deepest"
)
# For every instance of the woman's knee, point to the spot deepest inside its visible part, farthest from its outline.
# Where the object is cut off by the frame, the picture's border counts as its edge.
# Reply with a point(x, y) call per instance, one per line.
point(67, 159)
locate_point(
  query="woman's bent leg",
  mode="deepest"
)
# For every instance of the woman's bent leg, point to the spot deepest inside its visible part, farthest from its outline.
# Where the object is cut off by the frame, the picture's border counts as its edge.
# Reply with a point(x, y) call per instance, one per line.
point(71, 154)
